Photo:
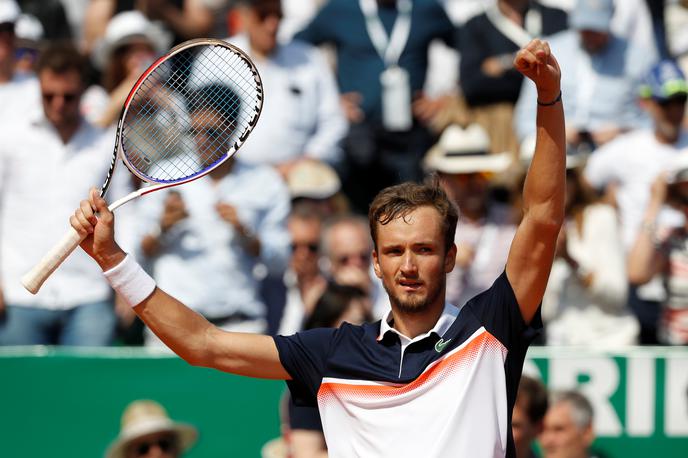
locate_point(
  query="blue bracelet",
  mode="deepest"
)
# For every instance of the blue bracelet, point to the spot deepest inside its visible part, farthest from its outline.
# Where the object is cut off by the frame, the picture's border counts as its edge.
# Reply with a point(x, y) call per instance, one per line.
point(549, 104)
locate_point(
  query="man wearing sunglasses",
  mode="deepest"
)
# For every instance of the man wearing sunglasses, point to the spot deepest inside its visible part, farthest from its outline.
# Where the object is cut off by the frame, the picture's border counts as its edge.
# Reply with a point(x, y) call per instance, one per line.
point(51, 154)
point(626, 167)
point(148, 432)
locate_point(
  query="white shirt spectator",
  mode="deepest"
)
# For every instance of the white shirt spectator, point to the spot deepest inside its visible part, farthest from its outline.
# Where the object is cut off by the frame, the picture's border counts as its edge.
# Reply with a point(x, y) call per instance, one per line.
point(596, 315)
point(202, 262)
point(632, 162)
point(301, 113)
point(37, 170)
point(21, 98)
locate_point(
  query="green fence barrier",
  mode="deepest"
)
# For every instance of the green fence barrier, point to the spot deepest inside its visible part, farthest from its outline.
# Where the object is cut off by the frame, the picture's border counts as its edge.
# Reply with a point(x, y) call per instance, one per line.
point(67, 402)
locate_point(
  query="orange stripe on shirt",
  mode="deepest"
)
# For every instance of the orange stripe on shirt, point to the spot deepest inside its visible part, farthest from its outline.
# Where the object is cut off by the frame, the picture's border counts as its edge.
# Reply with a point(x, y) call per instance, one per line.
point(464, 356)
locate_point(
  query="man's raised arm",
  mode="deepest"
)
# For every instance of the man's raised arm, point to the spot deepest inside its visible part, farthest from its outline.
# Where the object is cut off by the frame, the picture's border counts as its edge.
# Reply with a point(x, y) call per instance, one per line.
point(532, 250)
point(186, 332)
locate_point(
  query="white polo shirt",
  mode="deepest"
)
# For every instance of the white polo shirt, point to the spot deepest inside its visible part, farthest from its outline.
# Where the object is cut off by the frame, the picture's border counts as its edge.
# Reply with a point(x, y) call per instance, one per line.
point(42, 182)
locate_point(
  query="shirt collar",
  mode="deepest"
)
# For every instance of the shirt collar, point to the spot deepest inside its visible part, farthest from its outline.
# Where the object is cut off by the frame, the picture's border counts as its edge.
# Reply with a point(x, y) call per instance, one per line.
point(448, 316)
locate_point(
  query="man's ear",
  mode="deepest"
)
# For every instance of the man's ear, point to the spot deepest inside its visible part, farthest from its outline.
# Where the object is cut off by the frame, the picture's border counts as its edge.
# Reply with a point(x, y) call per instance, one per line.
point(450, 259)
point(376, 265)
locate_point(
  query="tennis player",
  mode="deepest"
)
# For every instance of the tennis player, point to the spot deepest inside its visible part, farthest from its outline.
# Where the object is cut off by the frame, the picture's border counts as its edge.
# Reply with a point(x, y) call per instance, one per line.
point(430, 379)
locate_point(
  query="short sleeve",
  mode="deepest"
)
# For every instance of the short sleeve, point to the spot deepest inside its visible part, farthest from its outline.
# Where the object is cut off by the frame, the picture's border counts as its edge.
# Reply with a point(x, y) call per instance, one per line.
point(498, 311)
point(304, 356)
point(304, 417)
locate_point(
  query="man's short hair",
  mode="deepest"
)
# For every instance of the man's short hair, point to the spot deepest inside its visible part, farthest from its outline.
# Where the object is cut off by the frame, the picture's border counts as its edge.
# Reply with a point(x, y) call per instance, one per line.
point(400, 200)
point(61, 58)
point(534, 394)
point(581, 409)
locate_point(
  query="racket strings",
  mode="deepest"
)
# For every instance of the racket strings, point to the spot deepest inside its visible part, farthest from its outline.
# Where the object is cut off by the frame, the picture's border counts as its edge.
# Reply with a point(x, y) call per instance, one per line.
point(190, 113)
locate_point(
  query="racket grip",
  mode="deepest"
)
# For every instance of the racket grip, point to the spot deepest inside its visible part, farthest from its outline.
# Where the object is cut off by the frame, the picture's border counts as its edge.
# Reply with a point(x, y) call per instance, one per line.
point(34, 278)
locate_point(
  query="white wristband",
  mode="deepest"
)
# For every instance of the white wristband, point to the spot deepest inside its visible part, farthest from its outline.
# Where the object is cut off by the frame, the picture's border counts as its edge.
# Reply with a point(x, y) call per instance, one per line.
point(130, 281)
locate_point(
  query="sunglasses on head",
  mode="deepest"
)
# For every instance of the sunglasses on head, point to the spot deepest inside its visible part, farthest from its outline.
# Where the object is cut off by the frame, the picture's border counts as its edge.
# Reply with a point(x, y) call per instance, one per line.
point(166, 444)
point(68, 97)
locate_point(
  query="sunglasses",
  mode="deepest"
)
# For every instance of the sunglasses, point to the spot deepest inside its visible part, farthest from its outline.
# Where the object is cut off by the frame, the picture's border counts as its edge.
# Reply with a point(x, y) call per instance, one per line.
point(363, 258)
point(208, 132)
point(68, 97)
point(265, 12)
point(311, 247)
point(166, 444)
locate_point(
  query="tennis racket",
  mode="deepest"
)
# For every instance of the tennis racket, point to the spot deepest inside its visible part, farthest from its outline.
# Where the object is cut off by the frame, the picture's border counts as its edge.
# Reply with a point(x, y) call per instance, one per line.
point(190, 111)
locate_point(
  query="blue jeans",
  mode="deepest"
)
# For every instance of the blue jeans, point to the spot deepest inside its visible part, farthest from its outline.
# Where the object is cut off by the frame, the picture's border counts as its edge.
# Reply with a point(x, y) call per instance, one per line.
point(91, 324)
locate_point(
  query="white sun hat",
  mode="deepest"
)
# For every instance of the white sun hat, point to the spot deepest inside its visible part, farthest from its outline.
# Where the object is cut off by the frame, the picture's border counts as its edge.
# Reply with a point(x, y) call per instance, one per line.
point(466, 150)
point(127, 27)
point(9, 11)
point(144, 417)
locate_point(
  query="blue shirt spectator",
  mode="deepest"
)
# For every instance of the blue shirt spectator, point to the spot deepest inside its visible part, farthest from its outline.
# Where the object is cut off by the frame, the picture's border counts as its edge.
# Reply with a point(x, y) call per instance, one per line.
point(341, 23)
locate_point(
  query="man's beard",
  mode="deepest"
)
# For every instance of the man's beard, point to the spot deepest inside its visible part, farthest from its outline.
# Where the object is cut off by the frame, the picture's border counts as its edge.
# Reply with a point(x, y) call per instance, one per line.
point(415, 304)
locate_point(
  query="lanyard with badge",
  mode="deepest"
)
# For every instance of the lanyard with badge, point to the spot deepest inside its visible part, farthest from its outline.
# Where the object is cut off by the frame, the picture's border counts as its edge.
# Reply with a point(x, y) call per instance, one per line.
point(395, 81)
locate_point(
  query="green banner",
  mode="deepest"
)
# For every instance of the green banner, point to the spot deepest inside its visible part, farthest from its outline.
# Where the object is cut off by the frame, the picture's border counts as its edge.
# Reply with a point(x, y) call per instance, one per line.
point(68, 402)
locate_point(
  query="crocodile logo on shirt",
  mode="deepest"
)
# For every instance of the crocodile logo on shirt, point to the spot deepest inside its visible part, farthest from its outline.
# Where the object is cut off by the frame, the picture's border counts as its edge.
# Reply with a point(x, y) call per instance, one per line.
point(439, 346)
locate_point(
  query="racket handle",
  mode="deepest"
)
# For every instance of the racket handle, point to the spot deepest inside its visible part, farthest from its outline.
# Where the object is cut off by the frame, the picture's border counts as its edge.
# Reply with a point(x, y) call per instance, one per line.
point(34, 278)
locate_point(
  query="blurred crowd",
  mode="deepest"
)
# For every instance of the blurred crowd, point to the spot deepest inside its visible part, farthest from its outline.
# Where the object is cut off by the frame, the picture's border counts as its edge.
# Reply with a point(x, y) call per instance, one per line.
point(359, 95)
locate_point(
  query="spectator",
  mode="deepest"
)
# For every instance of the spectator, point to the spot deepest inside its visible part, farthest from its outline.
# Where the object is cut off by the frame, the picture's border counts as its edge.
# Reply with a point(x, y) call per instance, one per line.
point(488, 45)
point(314, 190)
point(148, 431)
point(676, 20)
point(527, 416)
point(216, 234)
point(662, 251)
point(644, 154)
point(30, 39)
point(301, 118)
point(465, 167)
point(568, 427)
point(19, 92)
point(601, 74)
point(130, 44)
point(59, 156)
point(586, 298)
point(317, 184)
point(303, 280)
point(347, 248)
point(183, 19)
point(380, 67)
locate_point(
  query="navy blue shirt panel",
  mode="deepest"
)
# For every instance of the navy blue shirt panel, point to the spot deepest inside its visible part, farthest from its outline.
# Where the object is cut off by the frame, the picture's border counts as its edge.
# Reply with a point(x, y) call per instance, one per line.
point(304, 417)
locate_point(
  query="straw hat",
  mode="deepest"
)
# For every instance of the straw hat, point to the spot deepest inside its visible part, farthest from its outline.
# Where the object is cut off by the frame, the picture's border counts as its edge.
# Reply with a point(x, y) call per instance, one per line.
point(128, 27)
point(144, 417)
point(466, 150)
point(313, 179)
